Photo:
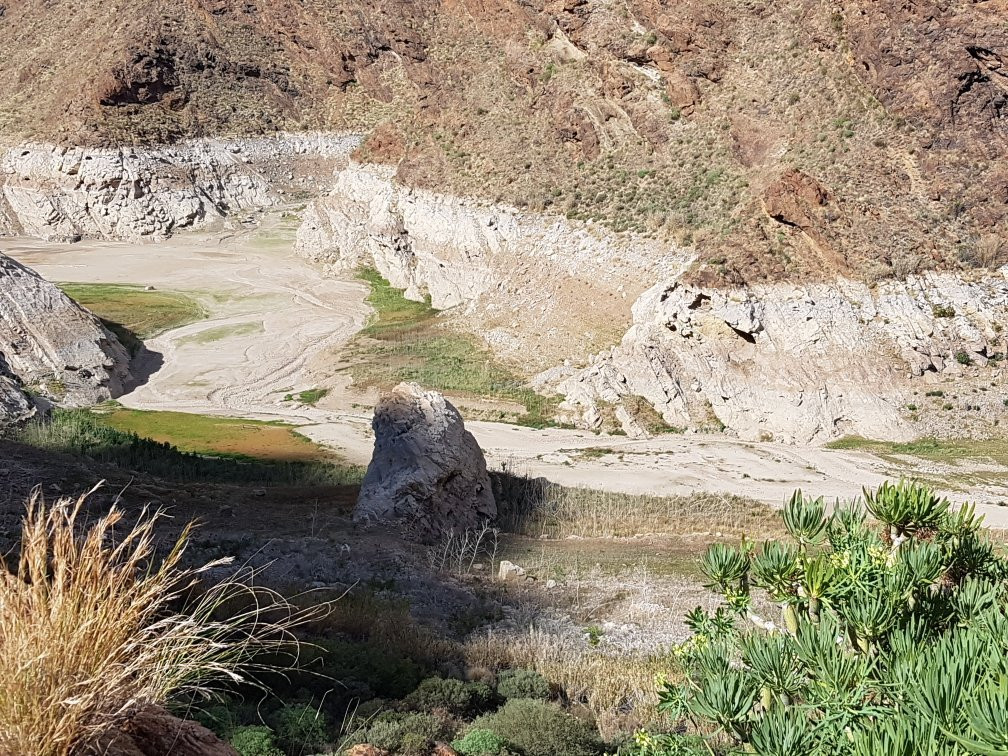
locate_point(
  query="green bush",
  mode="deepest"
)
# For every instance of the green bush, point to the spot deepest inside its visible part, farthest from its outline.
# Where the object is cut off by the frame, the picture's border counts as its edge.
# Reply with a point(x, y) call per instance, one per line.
point(405, 733)
point(478, 742)
point(522, 683)
point(300, 728)
point(893, 637)
point(943, 311)
point(221, 719)
point(255, 741)
point(537, 728)
point(460, 698)
point(388, 675)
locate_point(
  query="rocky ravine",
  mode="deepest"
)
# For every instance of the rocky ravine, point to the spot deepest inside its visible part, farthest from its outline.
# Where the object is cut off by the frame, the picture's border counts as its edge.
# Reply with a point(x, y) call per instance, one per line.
point(52, 347)
point(795, 364)
point(515, 277)
point(790, 363)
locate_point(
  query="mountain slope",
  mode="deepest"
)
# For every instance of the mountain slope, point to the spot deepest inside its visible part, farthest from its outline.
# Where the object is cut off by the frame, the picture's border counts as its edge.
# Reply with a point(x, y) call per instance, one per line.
point(788, 140)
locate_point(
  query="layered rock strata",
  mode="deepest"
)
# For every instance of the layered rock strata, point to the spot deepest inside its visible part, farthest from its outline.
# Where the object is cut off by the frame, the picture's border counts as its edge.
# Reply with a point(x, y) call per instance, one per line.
point(788, 362)
point(796, 364)
point(52, 347)
point(67, 193)
point(509, 274)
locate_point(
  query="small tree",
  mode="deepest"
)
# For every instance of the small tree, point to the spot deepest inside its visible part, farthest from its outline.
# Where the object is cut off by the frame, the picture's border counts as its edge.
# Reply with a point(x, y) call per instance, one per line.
point(892, 637)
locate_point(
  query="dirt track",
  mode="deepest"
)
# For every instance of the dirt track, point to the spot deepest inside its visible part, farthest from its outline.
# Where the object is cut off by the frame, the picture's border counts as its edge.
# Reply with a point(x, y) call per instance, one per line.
point(274, 317)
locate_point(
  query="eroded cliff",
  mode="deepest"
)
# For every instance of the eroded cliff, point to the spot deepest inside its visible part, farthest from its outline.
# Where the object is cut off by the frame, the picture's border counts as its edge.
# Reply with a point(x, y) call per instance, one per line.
point(795, 363)
point(67, 193)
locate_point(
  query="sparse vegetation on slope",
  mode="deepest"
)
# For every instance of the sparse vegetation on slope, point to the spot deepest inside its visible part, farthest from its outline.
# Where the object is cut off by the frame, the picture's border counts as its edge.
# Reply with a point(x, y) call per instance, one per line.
point(407, 342)
point(132, 313)
point(588, 110)
point(177, 446)
point(371, 673)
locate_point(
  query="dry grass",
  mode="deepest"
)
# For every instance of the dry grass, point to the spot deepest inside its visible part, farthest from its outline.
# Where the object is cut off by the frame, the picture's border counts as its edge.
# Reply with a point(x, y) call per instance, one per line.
point(539, 508)
point(91, 628)
point(388, 624)
point(619, 687)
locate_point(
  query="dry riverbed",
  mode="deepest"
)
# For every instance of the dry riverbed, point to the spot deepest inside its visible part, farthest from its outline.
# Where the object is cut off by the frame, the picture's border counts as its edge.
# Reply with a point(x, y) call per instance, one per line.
point(273, 319)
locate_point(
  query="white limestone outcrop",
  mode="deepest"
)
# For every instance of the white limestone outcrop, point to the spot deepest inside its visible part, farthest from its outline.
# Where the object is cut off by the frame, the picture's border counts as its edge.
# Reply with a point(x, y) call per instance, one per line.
point(792, 363)
point(428, 474)
point(796, 364)
point(52, 346)
point(66, 193)
point(509, 273)
point(15, 404)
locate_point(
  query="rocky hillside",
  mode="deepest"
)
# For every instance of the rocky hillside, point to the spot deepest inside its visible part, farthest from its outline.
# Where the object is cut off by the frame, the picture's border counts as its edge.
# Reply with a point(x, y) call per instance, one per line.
point(779, 140)
point(51, 349)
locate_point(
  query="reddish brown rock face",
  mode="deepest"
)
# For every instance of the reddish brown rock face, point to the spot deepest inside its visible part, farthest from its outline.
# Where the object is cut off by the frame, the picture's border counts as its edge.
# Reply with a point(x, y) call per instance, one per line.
point(795, 199)
point(155, 732)
point(942, 64)
point(799, 201)
point(943, 68)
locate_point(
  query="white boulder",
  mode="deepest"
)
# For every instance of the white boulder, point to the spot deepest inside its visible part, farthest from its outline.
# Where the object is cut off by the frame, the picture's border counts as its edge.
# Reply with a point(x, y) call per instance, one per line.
point(428, 474)
point(53, 346)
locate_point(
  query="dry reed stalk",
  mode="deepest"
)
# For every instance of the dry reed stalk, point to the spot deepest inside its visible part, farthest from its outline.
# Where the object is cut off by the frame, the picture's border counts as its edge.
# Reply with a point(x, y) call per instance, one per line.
point(92, 629)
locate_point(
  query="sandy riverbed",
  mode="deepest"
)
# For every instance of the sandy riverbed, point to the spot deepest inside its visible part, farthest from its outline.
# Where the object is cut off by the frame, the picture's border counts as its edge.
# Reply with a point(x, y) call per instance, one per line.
point(273, 317)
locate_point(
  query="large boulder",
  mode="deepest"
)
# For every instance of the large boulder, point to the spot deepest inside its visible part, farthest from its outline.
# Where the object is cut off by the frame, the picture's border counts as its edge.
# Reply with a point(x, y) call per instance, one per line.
point(155, 732)
point(52, 346)
point(427, 474)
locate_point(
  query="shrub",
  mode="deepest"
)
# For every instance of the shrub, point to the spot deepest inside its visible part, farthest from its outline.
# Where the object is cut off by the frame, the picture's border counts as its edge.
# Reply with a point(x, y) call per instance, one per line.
point(893, 635)
point(649, 744)
point(478, 742)
point(300, 728)
point(222, 719)
point(963, 358)
point(522, 683)
point(93, 627)
point(405, 733)
point(943, 311)
point(536, 728)
point(388, 675)
point(255, 740)
point(457, 697)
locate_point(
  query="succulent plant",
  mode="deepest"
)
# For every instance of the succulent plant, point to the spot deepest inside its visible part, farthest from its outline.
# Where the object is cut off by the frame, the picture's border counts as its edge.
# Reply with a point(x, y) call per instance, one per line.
point(894, 637)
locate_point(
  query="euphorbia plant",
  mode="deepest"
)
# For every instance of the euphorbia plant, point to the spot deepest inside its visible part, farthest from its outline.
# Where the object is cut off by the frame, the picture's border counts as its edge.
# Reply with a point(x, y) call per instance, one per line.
point(892, 636)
